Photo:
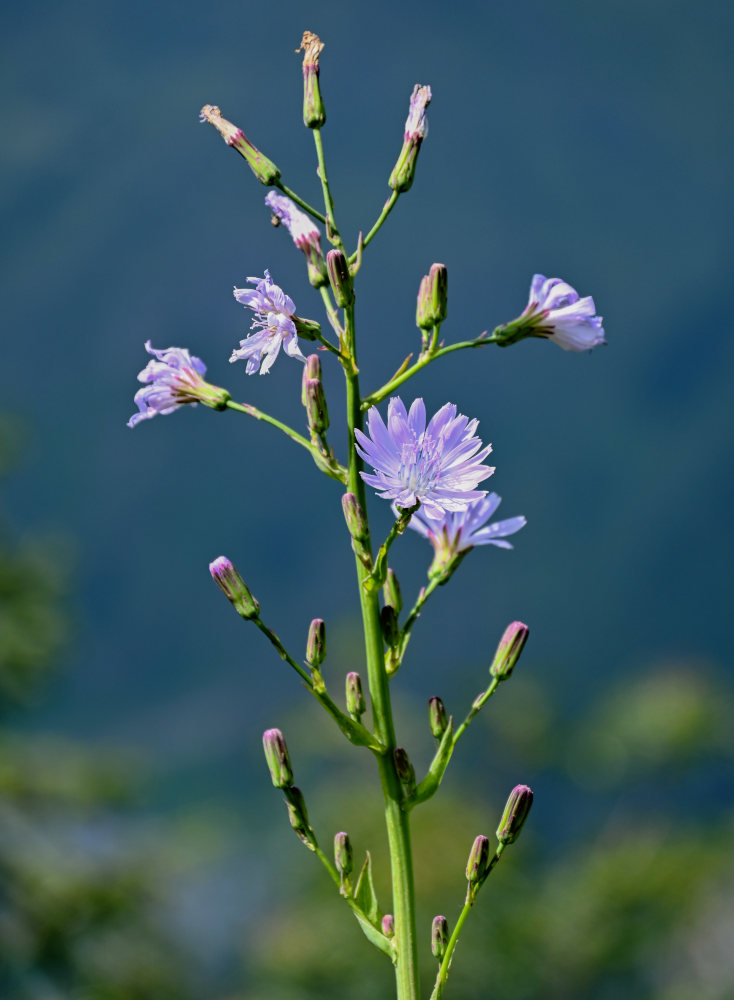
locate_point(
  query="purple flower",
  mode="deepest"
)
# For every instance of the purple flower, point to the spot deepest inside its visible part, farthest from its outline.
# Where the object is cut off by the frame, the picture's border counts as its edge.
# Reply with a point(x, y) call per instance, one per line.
point(273, 325)
point(555, 310)
point(304, 233)
point(439, 464)
point(172, 379)
point(460, 531)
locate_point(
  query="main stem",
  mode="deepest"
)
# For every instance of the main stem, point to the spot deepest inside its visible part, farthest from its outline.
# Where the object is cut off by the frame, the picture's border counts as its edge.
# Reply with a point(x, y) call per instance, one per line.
point(396, 819)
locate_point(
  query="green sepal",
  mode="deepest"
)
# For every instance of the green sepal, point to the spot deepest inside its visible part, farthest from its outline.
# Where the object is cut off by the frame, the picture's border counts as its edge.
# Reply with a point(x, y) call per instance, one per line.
point(429, 785)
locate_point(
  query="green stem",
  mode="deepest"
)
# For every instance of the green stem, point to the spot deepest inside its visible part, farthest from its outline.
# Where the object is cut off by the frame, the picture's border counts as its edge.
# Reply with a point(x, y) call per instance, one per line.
point(478, 705)
point(331, 312)
point(379, 574)
point(386, 209)
point(413, 617)
point(332, 232)
point(396, 818)
point(299, 201)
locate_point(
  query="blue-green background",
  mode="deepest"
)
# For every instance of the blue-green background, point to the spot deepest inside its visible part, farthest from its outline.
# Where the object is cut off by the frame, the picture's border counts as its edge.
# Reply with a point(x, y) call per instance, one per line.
point(588, 141)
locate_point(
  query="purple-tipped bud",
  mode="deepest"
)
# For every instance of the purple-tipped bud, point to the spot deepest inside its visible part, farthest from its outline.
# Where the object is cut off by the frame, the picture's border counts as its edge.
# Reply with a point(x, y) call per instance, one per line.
point(405, 770)
point(508, 651)
point(391, 591)
point(355, 518)
point(389, 626)
point(416, 129)
point(476, 866)
point(234, 587)
point(311, 370)
point(263, 168)
point(343, 855)
point(316, 408)
point(298, 816)
point(316, 643)
point(276, 754)
point(439, 936)
point(354, 695)
point(515, 814)
point(340, 278)
point(314, 114)
point(388, 925)
point(437, 717)
point(432, 298)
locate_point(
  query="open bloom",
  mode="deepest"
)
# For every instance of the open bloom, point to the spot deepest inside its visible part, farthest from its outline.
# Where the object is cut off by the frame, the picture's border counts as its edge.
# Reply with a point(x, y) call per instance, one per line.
point(439, 464)
point(460, 531)
point(555, 310)
point(175, 377)
point(273, 324)
point(304, 233)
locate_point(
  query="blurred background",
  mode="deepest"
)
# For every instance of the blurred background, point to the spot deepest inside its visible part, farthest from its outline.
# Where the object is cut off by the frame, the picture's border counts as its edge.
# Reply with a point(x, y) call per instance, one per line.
point(143, 851)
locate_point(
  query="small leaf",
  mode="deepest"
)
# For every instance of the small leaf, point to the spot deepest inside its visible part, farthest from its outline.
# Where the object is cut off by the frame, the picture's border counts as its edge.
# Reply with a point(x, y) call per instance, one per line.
point(429, 785)
point(402, 368)
point(364, 894)
point(377, 938)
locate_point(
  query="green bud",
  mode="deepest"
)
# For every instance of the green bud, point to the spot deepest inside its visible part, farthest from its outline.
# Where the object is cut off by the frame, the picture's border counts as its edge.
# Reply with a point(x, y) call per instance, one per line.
point(355, 517)
point(476, 866)
point(515, 814)
point(311, 370)
point(263, 168)
point(439, 936)
point(437, 717)
point(234, 588)
point(389, 626)
point(391, 592)
point(432, 298)
point(355, 697)
point(316, 408)
point(314, 114)
point(340, 278)
point(276, 754)
point(405, 770)
point(298, 816)
point(343, 855)
point(316, 643)
point(388, 925)
point(308, 329)
point(508, 651)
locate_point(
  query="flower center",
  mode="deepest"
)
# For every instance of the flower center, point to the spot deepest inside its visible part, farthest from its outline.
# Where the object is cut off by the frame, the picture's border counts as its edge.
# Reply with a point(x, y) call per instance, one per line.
point(420, 466)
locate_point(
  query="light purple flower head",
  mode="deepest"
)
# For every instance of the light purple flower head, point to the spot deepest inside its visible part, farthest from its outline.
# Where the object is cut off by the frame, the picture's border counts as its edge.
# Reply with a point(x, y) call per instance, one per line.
point(460, 531)
point(556, 311)
point(173, 378)
point(439, 464)
point(416, 124)
point(303, 231)
point(273, 325)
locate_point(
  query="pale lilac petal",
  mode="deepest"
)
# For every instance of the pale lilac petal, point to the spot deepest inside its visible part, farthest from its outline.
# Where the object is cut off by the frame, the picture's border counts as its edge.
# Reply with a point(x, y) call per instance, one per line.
point(272, 326)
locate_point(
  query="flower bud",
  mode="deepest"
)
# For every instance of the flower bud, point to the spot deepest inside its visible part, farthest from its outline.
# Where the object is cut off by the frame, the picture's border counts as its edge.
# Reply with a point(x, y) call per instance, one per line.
point(316, 408)
point(234, 587)
point(314, 114)
point(312, 369)
point(298, 816)
point(509, 649)
point(355, 518)
point(343, 855)
point(476, 866)
point(340, 278)
point(432, 298)
point(307, 329)
point(515, 814)
point(416, 129)
point(437, 717)
point(391, 592)
point(316, 643)
point(389, 626)
point(276, 754)
point(355, 697)
point(388, 925)
point(405, 770)
point(439, 936)
point(263, 168)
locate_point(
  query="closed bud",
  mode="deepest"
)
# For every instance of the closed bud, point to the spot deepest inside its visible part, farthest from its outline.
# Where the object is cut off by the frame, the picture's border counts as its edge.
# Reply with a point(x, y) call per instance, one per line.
point(476, 866)
point(234, 587)
point(307, 329)
point(354, 696)
point(405, 770)
point(437, 717)
point(508, 651)
point(276, 754)
point(311, 370)
point(389, 626)
point(316, 643)
point(432, 298)
point(515, 814)
point(298, 816)
point(343, 855)
point(340, 278)
point(439, 936)
point(391, 591)
point(314, 114)
point(388, 925)
point(263, 168)
point(355, 518)
point(316, 408)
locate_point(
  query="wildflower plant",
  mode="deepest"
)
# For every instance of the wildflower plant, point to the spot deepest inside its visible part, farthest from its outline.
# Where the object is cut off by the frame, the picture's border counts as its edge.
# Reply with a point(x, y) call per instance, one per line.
point(433, 471)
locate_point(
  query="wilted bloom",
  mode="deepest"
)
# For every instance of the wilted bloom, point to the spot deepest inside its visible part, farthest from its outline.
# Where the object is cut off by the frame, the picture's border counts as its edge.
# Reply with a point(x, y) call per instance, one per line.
point(263, 168)
point(314, 114)
point(175, 377)
point(459, 531)
point(304, 233)
point(556, 311)
point(416, 129)
point(439, 464)
point(274, 325)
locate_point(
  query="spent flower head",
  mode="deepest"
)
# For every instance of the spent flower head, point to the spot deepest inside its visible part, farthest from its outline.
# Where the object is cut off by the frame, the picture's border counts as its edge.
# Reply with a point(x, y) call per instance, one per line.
point(274, 325)
point(439, 464)
point(416, 129)
point(173, 378)
point(304, 233)
point(556, 311)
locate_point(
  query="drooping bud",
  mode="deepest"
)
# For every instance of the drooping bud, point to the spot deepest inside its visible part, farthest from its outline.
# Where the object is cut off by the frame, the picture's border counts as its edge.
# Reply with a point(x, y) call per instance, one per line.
point(314, 114)
point(298, 816)
point(234, 588)
point(515, 814)
point(316, 408)
point(439, 936)
point(263, 168)
point(343, 856)
point(476, 866)
point(437, 717)
point(432, 298)
point(355, 518)
point(416, 129)
point(312, 369)
point(388, 925)
point(340, 278)
point(391, 591)
point(405, 770)
point(316, 643)
point(276, 754)
point(354, 695)
point(509, 649)
point(389, 626)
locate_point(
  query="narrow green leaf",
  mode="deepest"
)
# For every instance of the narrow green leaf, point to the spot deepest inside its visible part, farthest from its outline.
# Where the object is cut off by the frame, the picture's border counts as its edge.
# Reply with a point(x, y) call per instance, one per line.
point(364, 894)
point(377, 938)
point(429, 785)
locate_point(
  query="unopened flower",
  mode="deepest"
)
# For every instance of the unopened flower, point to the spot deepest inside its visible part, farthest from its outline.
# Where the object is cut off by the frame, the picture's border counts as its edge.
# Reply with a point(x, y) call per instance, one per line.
point(416, 129)
point(173, 378)
point(273, 324)
point(304, 233)
point(439, 464)
point(556, 311)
